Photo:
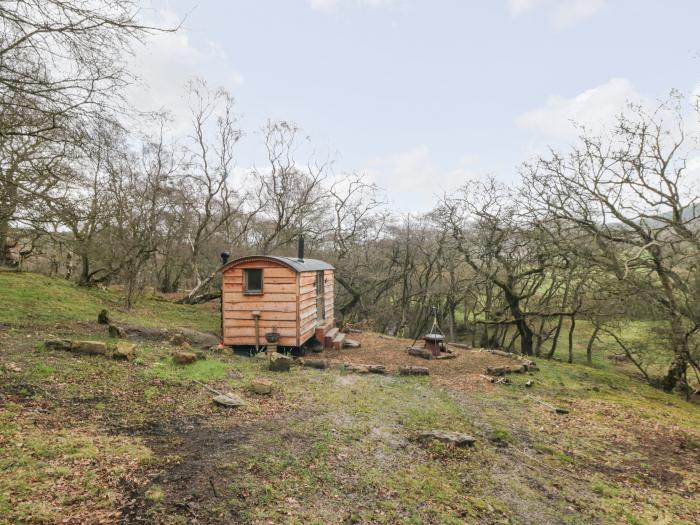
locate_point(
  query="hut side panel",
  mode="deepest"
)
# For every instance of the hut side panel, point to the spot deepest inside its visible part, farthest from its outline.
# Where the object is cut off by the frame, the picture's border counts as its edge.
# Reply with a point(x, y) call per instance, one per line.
point(329, 281)
point(277, 304)
point(308, 304)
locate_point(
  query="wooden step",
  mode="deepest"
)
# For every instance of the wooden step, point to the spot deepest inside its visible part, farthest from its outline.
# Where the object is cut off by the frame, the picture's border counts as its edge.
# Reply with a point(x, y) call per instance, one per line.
point(338, 341)
point(328, 339)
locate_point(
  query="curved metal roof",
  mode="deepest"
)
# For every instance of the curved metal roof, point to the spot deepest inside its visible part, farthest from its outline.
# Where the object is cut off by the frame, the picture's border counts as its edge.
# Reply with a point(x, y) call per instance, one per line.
point(305, 265)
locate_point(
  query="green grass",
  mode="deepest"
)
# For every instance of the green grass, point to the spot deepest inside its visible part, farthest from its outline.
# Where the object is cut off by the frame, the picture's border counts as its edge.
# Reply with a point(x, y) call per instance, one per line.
point(28, 299)
point(201, 370)
point(325, 446)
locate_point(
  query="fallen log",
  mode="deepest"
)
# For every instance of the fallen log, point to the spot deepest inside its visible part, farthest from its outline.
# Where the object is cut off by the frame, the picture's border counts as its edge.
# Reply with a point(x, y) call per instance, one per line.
point(319, 364)
point(446, 356)
point(558, 410)
point(460, 345)
point(364, 369)
point(420, 352)
point(414, 371)
point(503, 370)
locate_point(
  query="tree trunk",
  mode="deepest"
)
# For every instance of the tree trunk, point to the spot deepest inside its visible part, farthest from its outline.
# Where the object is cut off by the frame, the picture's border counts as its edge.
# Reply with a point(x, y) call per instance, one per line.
point(197, 291)
point(572, 327)
point(589, 347)
point(4, 246)
point(84, 271)
point(555, 339)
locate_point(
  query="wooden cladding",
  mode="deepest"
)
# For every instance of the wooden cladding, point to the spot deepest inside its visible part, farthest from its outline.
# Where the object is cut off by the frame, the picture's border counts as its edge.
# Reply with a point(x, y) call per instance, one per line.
point(294, 304)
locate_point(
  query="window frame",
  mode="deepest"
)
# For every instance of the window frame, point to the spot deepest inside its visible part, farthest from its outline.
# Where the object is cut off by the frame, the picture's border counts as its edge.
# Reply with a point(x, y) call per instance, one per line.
point(246, 290)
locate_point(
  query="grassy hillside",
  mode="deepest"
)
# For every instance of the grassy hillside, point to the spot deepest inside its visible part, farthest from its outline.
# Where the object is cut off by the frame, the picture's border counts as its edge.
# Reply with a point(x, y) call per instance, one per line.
point(28, 299)
point(84, 439)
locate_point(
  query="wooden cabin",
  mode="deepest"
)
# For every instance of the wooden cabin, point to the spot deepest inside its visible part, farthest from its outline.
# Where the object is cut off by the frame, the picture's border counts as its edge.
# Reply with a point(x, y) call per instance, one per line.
point(292, 295)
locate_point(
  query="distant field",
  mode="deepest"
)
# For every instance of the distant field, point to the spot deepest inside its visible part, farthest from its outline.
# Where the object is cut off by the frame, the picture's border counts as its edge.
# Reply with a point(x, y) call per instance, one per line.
point(84, 439)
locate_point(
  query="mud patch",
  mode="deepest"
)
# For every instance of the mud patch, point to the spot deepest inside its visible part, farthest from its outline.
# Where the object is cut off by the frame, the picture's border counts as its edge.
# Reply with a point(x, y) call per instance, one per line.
point(200, 465)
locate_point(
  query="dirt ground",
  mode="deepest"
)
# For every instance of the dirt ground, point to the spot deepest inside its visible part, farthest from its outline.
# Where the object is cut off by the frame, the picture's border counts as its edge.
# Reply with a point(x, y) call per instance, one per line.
point(464, 373)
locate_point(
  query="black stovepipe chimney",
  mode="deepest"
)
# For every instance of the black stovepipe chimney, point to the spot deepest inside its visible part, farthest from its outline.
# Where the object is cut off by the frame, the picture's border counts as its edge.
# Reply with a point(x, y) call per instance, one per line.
point(300, 255)
point(224, 257)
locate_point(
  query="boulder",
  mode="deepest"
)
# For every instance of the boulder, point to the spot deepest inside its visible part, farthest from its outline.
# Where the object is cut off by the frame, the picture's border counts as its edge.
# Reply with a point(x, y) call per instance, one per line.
point(89, 347)
point(103, 317)
point(116, 332)
point(184, 358)
point(261, 386)
point(453, 438)
point(280, 362)
point(228, 400)
point(58, 344)
point(124, 351)
point(199, 339)
point(414, 371)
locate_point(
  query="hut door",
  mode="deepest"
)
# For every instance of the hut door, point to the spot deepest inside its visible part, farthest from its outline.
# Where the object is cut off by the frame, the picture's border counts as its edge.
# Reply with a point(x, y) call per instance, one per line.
point(320, 297)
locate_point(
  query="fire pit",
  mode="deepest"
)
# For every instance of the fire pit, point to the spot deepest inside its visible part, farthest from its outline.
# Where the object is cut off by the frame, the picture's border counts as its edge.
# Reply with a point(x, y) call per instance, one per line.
point(434, 342)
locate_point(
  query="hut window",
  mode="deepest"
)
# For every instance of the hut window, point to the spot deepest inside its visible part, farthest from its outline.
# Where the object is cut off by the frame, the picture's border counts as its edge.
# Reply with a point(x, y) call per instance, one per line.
point(253, 280)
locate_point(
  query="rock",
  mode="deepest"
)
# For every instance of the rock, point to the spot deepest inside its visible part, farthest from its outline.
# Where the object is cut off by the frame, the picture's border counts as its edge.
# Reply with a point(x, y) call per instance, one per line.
point(141, 332)
point(453, 438)
point(320, 364)
point(357, 369)
point(184, 358)
point(199, 339)
point(103, 317)
point(261, 386)
point(229, 400)
point(351, 343)
point(125, 351)
point(280, 362)
point(89, 347)
point(116, 332)
point(420, 352)
point(58, 344)
point(413, 371)
point(178, 340)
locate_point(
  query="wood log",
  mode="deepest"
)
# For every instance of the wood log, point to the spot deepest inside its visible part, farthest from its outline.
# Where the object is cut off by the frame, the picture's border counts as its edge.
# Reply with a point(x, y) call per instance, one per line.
point(446, 356)
point(420, 352)
point(460, 345)
point(364, 369)
point(414, 371)
point(503, 370)
point(319, 364)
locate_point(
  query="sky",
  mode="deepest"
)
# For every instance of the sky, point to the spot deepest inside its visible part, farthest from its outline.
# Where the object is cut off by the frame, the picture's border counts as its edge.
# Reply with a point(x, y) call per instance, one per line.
point(420, 95)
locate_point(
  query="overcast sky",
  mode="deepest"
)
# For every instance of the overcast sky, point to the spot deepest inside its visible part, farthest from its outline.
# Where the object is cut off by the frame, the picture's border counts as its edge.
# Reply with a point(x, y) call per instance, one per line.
point(421, 94)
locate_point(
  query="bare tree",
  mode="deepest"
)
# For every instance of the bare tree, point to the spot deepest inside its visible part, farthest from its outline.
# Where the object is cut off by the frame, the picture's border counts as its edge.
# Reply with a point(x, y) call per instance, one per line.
point(628, 193)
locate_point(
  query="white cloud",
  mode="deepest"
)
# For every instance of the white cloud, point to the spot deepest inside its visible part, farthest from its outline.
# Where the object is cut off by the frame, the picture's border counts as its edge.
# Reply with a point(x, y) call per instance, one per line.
point(331, 5)
point(562, 13)
point(167, 61)
point(594, 108)
point(412, 180)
